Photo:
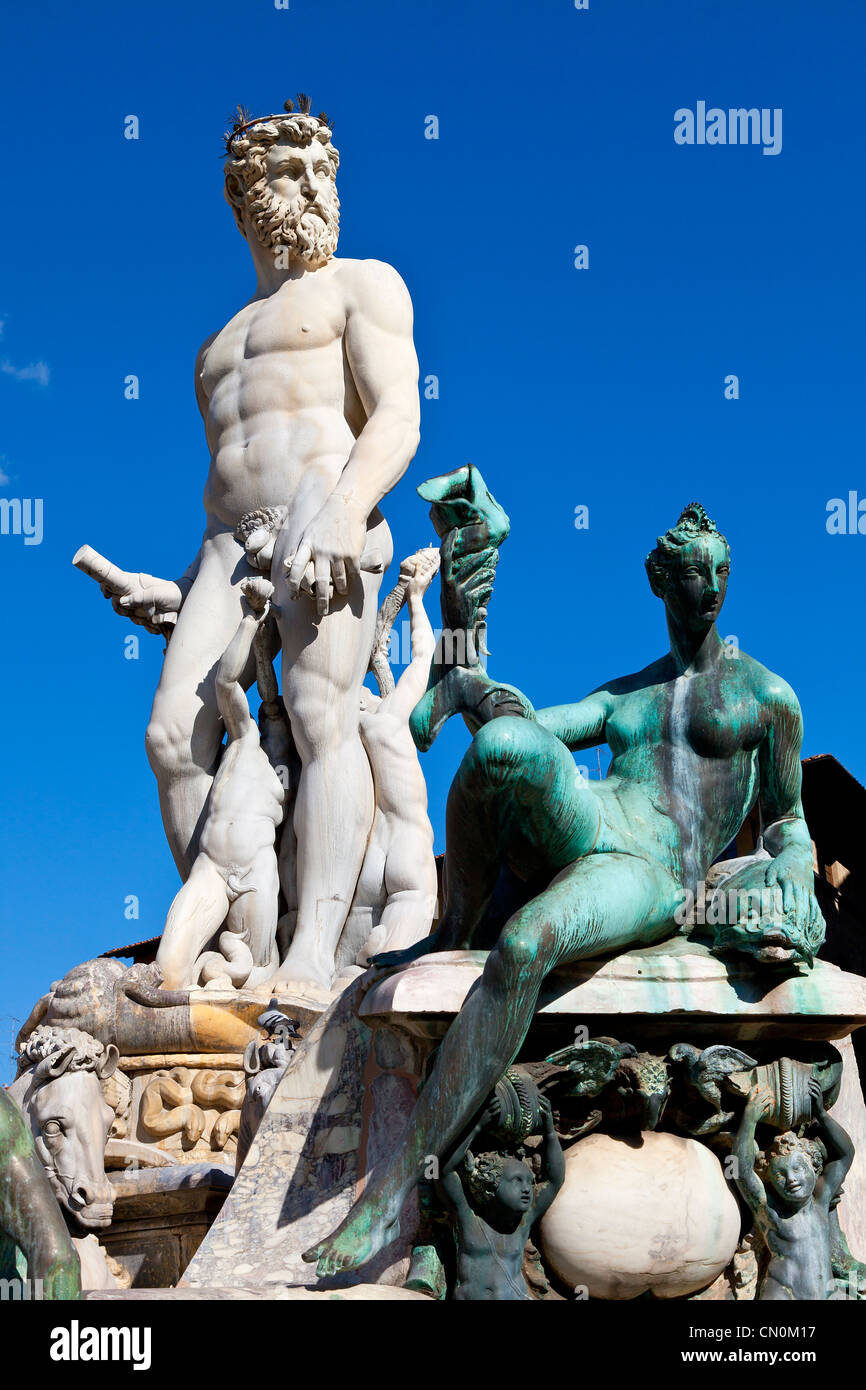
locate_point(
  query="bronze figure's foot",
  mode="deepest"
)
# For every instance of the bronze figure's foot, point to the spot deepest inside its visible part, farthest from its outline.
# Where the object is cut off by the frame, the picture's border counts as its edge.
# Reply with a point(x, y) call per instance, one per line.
point(365, 1231)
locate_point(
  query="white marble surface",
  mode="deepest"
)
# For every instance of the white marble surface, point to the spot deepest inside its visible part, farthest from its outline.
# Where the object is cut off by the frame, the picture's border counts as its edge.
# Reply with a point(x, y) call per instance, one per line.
point(650, 1213)
point(677, 980)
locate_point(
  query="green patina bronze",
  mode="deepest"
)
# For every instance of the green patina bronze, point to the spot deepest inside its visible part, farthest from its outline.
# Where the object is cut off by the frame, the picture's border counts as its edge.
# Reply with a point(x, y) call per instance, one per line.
point(494, 1203)
point(698, 738)
point(792, 1188)
point(30, 1217)
point(472, 526)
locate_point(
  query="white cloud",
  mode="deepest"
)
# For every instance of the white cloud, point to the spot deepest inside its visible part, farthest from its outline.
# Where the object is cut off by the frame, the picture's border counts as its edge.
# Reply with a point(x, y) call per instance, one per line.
point(39, 372)
point(34, 371)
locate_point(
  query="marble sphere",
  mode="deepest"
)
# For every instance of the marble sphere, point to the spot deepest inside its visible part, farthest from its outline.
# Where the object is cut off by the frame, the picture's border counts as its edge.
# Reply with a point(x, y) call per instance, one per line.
point(654, 1214)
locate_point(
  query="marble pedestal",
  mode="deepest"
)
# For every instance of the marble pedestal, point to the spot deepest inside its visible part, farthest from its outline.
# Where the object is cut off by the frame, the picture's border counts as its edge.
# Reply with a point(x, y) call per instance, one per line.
point(345, 1100)
point(675, 989)
point(161, 1216)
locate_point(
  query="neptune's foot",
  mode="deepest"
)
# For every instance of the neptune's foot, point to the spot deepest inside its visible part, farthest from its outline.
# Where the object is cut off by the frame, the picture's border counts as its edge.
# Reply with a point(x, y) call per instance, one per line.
point(442, 939)
point(421, 948)
point(368, 1228)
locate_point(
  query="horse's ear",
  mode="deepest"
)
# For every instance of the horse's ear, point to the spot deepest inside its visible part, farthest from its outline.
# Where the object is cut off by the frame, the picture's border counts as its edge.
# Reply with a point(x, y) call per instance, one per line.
point(55, 1064)
point(252, 1061)
point(108, 1064)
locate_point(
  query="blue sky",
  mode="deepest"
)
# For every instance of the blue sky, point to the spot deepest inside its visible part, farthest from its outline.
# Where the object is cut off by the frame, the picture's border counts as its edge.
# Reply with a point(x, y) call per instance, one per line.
point(602, 387)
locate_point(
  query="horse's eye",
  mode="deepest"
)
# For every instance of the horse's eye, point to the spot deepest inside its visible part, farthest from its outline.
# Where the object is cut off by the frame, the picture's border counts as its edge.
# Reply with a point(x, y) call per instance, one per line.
point(52, 1127)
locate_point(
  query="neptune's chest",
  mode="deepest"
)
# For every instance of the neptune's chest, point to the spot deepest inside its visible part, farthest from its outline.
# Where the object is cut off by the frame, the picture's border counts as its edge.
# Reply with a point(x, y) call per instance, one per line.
point(291, 321)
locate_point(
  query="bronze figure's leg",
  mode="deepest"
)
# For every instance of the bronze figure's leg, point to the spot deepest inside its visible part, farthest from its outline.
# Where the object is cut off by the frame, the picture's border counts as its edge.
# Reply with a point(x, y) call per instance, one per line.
point(516, 798)
point(601, 902)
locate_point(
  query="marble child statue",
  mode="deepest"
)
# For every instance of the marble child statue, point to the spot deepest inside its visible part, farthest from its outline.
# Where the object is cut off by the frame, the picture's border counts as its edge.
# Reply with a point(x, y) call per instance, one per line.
point(309, 397)
point(697, 740)
point(791, 1191)
point(234, 879)
point(400, 854)
point(495, 1203)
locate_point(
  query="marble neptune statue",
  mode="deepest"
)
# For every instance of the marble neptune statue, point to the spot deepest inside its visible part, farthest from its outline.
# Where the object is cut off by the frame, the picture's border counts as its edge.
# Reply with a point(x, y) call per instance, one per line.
point(697, 739)
point(309, 397)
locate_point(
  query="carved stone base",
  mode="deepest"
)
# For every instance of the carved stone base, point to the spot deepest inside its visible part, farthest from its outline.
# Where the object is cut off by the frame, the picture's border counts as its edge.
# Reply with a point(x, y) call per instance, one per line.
point(161, 1216)
point(342, 1104)
point(348, 1093)
point(359, 1293)
point(677, 987)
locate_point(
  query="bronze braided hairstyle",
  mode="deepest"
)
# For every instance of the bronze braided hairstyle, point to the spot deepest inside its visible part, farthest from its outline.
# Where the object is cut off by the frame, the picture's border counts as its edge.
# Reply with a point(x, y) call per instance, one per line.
point(693, 522)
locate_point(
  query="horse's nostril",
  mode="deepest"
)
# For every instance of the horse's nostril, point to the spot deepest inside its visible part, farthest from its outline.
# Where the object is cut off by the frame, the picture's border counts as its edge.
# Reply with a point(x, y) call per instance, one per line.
point(91, 1204)
point(86, 1194)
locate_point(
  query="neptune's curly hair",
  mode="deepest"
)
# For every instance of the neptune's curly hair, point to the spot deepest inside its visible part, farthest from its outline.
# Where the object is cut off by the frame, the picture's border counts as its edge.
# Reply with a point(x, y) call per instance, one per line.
point(247, 150)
